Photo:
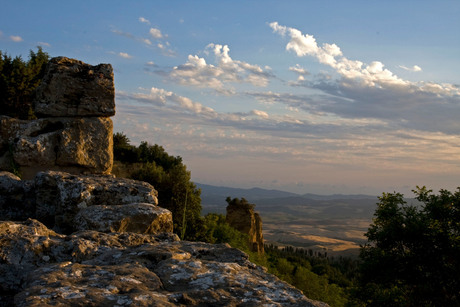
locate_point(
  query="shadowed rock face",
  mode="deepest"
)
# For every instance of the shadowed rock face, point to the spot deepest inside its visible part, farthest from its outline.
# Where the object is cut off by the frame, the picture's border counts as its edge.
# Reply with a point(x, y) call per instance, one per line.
point(55, 198)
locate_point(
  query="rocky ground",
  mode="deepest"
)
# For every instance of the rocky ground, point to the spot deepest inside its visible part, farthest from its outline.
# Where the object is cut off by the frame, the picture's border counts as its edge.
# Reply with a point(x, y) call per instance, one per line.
point(121, 253)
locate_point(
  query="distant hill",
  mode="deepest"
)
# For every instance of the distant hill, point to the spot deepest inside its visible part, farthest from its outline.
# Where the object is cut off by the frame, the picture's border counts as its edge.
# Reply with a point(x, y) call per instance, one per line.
point(334, 223)
point(213, 197)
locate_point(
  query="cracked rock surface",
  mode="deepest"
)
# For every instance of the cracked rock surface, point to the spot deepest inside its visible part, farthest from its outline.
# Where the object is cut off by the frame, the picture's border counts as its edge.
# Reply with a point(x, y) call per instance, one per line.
point(39, 267)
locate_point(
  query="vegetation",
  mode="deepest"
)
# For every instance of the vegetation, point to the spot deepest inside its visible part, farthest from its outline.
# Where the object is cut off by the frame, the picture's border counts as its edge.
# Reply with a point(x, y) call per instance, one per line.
point(241, 203)
point(18, 82)
point(412, 257)
point(320, 278)
point(169, 176)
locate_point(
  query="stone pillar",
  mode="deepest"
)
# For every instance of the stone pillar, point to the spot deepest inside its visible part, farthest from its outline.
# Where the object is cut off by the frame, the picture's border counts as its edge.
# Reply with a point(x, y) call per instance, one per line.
point(73, 132)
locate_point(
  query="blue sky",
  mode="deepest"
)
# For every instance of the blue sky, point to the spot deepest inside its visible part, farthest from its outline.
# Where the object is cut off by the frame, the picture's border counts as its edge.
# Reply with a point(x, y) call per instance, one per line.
point(305, 96)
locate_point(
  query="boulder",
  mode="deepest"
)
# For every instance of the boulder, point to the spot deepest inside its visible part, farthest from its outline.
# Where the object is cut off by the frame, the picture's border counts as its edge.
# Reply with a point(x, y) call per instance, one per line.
point(138, 218)
point(72, 88)
point(77, 145)
point(42, 268)
point(55, 198)
point(60, 196)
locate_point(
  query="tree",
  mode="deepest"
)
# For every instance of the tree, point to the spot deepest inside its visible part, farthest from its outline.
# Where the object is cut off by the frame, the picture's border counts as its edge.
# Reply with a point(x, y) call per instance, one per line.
point(412, 257)
point(169, 176)
point(18, 82)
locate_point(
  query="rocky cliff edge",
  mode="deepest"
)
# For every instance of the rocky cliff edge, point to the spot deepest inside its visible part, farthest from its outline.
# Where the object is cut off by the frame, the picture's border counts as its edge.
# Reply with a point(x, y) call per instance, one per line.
point(69, 238)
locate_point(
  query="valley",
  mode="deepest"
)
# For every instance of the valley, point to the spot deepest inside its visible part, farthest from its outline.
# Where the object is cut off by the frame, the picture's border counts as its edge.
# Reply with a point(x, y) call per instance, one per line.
point(332, 224)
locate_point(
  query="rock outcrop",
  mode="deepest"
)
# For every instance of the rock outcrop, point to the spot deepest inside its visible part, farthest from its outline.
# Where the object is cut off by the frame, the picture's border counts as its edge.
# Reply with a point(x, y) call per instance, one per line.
point(71, 88)
point(73, 132)
point(241, 216)
point(56, 198)
point(69, 238)
point(40, 267)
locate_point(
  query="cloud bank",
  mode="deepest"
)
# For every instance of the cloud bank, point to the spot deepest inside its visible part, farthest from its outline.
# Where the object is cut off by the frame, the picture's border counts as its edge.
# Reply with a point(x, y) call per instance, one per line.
point(346, 117)
point(372, 91)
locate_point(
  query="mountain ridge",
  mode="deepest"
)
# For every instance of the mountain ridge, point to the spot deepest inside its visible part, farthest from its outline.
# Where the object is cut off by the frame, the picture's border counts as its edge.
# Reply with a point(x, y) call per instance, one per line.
point(208, 190)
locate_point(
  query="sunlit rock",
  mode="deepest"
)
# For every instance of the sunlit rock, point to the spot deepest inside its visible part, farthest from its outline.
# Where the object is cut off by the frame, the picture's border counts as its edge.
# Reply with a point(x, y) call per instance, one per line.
point(72, 88)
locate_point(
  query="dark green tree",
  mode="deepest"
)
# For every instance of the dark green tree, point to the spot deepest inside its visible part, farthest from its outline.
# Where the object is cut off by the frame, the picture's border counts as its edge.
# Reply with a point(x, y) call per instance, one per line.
point(170, 177)
point(412, 257)
point(18, 82)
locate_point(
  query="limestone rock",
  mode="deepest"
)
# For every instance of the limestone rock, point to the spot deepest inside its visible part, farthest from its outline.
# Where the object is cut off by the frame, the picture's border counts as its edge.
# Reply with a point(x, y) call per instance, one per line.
point(72, 88)
point(42, 268)
point(78, 145)
point(138, 218)
point(241, 216)
point(55, 198)
point(60, 196)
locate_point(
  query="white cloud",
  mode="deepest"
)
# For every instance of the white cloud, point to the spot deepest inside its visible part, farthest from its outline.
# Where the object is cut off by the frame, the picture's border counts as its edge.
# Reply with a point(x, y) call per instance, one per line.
point(369, 90)
point(125, 55)
point(156, 33)
point(414, 68)
point(197, 72)
point(299, 70)
point(259, 113)
point(16, 38)
point(44, 44)
point(147, 41)
point(143, 20)
point(331, 55)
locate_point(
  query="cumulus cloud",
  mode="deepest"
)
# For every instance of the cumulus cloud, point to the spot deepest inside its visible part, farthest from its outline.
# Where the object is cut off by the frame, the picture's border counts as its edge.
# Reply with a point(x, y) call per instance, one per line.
point(198, 72)
point(156, 33)
point(143, 20)
point(369, 90)
point(302, 45)
point(16, 38)
point(300, 71)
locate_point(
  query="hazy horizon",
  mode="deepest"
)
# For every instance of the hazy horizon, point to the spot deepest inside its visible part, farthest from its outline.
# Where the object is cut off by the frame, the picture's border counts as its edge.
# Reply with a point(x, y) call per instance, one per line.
point(348, 97)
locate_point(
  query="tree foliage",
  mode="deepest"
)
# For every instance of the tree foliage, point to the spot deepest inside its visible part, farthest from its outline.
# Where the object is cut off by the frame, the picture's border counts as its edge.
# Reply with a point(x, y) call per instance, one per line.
point(169, 176)
point(412, 257)
point(325, 279)
point(217, 230)
point(18, 82)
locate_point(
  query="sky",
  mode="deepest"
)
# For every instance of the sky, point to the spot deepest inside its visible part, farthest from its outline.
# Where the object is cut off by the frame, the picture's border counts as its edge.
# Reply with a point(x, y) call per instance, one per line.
point(304, 96)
